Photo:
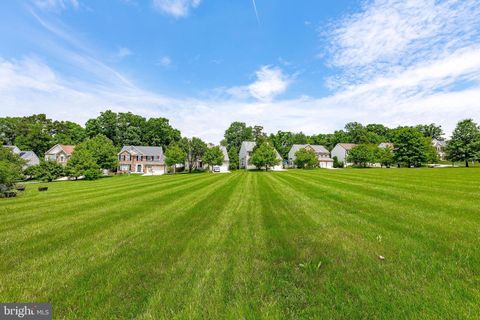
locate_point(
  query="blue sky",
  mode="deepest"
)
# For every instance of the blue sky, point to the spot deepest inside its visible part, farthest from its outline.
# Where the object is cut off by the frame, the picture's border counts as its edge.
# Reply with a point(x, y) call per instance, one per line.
point(302, 65)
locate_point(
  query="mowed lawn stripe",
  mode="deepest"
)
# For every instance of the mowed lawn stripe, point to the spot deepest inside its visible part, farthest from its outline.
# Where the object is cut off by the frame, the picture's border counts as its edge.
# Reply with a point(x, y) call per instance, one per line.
point(103, 244)
point(152, 259)
point(65, 198)
point(412, 244)
point(298, 244)
point(60, 217)
point(87, 221)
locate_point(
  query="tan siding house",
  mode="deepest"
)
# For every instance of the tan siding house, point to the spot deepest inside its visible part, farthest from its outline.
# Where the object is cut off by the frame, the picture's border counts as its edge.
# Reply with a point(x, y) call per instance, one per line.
point(141, 160)
point(60, 153)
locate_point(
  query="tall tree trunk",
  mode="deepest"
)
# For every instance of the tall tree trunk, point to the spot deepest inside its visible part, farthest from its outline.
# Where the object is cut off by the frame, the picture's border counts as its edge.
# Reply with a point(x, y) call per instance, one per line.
point(466, 163)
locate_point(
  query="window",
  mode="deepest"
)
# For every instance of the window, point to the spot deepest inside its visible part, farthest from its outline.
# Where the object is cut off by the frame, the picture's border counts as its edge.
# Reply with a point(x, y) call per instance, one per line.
point(62, 158)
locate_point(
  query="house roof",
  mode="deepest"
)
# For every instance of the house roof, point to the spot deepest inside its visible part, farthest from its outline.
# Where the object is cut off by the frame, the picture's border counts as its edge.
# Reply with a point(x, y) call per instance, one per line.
point(143, 150)
point(67, 148)
point(316, 147)
point(14, 149)
point(225, 153)
point(249, 145)
point(347, 146)
point(439, 142)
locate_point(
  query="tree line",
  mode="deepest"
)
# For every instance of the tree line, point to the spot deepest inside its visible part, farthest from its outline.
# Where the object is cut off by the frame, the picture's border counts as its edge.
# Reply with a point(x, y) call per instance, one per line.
point(98, 142)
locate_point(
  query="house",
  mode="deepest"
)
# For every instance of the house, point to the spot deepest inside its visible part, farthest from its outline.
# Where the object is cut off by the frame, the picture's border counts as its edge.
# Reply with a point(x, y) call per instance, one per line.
point(141, 160)
point(29, 156)
point(60, 153)
point(385, 145)
point(279, 166)
point(225, 167)
point(245, 155)
point(440, 147)
point(324, 160)
point(341, 152)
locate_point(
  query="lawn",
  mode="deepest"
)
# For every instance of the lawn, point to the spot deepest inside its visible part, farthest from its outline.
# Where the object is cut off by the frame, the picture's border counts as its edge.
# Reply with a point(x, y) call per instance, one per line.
point(295, 244)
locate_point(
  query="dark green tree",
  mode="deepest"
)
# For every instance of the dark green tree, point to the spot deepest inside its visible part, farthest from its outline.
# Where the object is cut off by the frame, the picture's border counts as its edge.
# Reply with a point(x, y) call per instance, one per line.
point(361, 155)
point(82, 163)
point(411, 147)
point(465, 142)
point(233, 157)
point(237, 133)
point(431, 131)
point(213, 156)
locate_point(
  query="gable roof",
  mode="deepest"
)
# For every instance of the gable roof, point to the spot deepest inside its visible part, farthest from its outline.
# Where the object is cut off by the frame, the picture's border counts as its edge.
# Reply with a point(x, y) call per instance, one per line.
point(225, 153)
point(347, 146)
point(249, 145)
point(316, 147)
point(441, 143)
point(67, 148)
point(144, 150)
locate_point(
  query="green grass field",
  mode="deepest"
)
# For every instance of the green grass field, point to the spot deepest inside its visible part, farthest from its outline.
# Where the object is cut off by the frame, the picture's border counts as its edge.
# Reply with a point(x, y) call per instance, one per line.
point(295, 244)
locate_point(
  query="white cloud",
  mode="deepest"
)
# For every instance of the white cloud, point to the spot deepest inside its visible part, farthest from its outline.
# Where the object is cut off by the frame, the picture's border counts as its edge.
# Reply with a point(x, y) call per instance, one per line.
point(410, 84)
point(176, 8)
point(270, 82)
point(124, 52)
point(164, 61)
point(388, 36)
point(56, 4)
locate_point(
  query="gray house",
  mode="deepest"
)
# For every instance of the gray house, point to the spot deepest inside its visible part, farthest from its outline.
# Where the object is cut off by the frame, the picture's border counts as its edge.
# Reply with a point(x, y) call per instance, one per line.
point(29, 156)
point(341, 151)
point(245, 155)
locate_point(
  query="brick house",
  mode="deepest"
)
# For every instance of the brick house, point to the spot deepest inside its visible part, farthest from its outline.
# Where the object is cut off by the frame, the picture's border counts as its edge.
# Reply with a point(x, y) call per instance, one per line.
point(141, 160)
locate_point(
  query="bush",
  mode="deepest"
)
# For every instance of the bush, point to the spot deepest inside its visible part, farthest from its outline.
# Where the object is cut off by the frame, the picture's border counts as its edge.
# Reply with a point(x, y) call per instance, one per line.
point(92, 174)
point(337, 164)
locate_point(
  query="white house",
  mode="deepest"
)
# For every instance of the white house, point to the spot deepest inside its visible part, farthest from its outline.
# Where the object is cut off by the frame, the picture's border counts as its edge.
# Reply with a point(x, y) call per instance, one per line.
point(29, 156)
point(440, 148)
point(225, 167)
point(324, 160)
point(279, 166)
point(341, 152)
point(245, 155)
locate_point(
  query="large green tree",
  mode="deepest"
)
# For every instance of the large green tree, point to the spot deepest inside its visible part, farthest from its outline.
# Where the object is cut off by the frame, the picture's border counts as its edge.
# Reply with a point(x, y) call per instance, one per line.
point(174, 155)
point(306, 158)
point(82, 163)
point(213, 156)
point(411, 147)
point(236, 133)
point(233, 158)
point(464, 144)
point(431, 131)
point(194, 148)
point(361, 155)
point(265, 156)
point(102, 151)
